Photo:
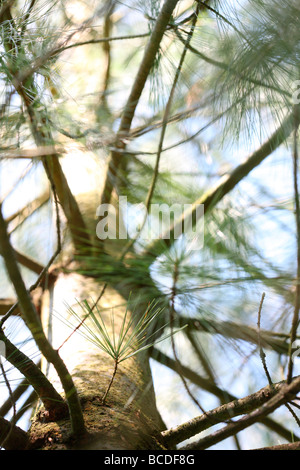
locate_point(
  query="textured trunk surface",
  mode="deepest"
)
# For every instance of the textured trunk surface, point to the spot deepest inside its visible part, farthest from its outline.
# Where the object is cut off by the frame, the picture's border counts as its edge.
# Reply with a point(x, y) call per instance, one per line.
point(129, 420)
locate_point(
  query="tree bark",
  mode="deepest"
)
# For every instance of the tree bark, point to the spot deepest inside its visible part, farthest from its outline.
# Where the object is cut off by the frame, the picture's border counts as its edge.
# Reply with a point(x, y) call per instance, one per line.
point(129, 420)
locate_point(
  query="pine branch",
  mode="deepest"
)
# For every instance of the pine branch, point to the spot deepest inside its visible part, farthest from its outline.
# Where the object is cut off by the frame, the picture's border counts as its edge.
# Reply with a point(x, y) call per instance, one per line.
point(163, 132)
point(135, 94)
point(228, 68)
point(33, 322)
point(211, 198)
point(220, 414)
point(13, 421)
point(104, 40)
point(268, 339)
point(5, 10)
point(25, 87)
point(210, 387)
point(286, 393)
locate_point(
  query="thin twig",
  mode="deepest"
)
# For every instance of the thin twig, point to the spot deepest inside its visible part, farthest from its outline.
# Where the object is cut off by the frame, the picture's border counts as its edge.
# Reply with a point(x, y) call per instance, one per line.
point(109, 39)
point(263, 359)
point(295, 320)
point(172, 320)
point(107, 51)
point(110, 383)
point(261, 351)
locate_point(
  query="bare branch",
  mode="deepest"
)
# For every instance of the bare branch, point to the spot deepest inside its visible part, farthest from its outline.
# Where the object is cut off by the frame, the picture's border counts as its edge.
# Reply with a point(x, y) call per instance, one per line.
point(290, 446)
point(210, 387)
point(286, 393)
point(222, 413)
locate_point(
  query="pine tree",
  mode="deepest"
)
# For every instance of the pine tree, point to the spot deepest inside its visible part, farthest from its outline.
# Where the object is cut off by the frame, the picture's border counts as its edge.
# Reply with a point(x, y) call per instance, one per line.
point(123, 125)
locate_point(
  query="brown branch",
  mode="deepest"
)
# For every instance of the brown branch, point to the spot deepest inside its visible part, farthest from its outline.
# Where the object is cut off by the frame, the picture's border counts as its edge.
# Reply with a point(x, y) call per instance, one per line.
point(290, 446)
point(220, 414)
point(210, 387)
point(18, 439)
point(286, 393)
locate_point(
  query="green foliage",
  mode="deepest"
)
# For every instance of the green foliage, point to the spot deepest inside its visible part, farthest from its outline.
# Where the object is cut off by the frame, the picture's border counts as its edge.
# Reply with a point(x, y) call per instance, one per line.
point(133, 335)
point(131, 338)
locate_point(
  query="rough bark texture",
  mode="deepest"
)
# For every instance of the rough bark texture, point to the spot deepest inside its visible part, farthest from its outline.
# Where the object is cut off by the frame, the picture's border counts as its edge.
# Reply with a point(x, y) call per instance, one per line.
point(129, 420)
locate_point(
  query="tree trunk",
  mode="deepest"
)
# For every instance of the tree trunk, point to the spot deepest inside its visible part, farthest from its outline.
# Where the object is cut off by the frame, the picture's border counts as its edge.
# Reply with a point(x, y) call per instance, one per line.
point(129, 420)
